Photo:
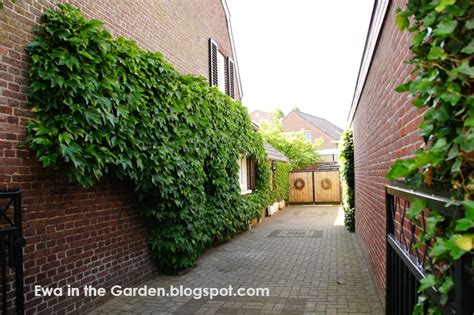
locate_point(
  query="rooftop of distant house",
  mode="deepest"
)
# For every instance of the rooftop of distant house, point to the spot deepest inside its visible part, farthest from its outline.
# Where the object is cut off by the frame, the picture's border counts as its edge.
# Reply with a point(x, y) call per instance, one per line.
point(326, 126)
point(257, 116)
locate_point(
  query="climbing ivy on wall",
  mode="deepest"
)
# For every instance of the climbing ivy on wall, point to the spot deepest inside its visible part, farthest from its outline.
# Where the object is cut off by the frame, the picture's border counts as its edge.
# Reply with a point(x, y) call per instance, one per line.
point(346, 161)
point(104, 106)
point(442, 49)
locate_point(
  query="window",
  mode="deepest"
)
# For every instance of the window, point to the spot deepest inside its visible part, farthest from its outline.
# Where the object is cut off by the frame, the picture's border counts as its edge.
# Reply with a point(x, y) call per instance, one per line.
point(243, 174)
point(246, 174)
point(221, 70)
point(308, 135)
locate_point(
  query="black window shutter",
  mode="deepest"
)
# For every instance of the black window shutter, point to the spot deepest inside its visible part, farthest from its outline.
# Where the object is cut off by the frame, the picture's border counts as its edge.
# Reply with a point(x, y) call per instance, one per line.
point(213, 80)
point(230, 75)
point(251, 174)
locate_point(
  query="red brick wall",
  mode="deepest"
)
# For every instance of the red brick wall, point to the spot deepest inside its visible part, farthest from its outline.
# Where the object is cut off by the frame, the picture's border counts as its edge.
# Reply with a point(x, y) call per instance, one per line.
point(385, 128)
point(88, 236)
point(294, 122)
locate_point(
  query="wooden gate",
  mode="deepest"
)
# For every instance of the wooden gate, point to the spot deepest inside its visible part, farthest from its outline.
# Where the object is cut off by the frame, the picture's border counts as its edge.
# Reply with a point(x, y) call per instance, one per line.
point(315, 187)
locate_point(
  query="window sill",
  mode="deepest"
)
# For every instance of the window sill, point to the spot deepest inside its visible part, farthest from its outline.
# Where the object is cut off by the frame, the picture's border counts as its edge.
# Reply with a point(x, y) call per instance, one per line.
point(246, 192)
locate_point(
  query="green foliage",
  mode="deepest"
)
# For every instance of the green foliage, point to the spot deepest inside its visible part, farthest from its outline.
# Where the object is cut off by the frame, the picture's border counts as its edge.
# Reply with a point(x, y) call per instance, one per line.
point(281, 182)
point(442, 48)
point(293, 145)
point(105, 106)
point(346, 161)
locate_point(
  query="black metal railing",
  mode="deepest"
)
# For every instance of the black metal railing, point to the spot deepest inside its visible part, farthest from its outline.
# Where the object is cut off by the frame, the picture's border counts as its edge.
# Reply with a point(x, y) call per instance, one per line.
point(11, 246)
point(408, 256)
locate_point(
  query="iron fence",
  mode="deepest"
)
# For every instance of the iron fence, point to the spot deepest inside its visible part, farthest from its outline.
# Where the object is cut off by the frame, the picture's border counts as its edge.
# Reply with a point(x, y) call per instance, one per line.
point(407, 255)
point(11, 255)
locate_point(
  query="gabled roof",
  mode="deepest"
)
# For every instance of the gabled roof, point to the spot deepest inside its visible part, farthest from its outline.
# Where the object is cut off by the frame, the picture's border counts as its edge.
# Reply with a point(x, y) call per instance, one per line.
point(274, 154)
point(329, 128)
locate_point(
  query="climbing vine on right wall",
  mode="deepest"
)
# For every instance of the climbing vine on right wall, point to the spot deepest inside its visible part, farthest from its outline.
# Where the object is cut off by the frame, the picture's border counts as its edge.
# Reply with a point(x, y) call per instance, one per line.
point(346, 160)
point(442, 56)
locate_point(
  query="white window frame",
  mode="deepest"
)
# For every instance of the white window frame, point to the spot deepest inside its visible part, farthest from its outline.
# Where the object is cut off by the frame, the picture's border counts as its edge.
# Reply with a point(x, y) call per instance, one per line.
point(243, 175)
point(221, 75)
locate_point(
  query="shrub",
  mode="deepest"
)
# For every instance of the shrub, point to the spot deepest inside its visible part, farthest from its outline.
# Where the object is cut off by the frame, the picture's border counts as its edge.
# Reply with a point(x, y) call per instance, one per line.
point(281, 182)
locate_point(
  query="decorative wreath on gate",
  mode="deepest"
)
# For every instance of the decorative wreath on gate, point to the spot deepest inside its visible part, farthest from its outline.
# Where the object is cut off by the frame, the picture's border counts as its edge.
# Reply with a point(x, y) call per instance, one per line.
point(299, 183)
point(326, 184)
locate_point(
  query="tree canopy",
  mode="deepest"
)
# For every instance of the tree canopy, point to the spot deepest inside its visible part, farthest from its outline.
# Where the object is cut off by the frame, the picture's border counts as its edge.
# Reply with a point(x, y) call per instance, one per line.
point(294, 145)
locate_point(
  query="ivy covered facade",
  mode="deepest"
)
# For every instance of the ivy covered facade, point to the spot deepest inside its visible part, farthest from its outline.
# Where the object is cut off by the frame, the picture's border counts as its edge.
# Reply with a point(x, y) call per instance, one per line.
point(125, 148)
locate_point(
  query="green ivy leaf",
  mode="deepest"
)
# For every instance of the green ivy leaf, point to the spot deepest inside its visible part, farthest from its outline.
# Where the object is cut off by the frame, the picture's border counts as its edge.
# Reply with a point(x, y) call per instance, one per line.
point(470, 24)
point(454, 246)
point(441, 145)
point(445, 27)
point(463, 243)
point(403, 87)
point(401, 21)
point(442, 4)
point(446, 287)
point(453, 152)
point(70, 150)
point(92, 117)
point(430, 19)
point(41, 141)
point(469, 122)
point(451, 97)
point(48, 160)
point(464, 68)
point(427, 282)
point(442, 114)
point(456, 166)
point(469, 49)
point(436, 53)
point(401, 168)
point(416, 207)
point(468, 209)
point(464, 224)
point(439, 249)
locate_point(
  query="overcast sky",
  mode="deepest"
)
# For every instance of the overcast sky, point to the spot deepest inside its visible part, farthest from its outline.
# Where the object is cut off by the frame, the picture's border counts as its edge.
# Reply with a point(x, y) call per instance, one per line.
point(300, 53)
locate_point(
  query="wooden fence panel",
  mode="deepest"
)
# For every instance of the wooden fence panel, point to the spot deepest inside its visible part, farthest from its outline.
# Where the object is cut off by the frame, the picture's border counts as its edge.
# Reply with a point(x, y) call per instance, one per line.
point(315, 187)
point(304, 194)
point(327, 186)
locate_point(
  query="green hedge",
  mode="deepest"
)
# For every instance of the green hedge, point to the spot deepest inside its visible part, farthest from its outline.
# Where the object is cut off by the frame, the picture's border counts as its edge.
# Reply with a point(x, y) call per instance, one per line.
point(281, 182)
point(105, 106)
point(346, 160)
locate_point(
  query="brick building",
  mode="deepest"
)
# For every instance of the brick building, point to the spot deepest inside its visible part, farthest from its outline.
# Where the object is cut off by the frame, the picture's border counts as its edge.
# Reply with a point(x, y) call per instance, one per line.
point(385, 128)
point(315, 128)
point(94, 236)
point(259, 116)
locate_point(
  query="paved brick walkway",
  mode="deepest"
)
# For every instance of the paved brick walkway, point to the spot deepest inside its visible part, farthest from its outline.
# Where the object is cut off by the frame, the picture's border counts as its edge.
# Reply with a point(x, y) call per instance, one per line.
point(310, 264)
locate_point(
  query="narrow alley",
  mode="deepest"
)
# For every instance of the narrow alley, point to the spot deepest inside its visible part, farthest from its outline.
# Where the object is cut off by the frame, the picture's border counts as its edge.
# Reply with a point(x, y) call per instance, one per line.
point(303, 255)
